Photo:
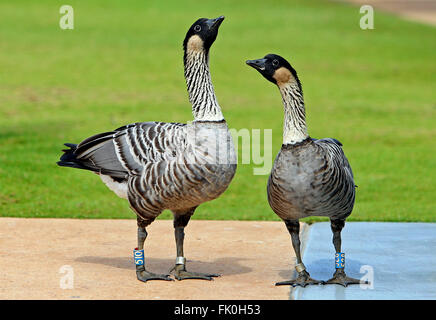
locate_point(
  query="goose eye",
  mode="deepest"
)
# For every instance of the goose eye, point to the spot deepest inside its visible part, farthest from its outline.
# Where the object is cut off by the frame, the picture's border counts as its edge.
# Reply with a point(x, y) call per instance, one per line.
point(197, 28)
point(275, 63)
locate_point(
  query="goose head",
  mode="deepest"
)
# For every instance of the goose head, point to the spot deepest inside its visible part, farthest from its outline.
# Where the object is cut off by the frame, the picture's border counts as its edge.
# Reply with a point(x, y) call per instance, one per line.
point(276, 69)
point(202, 34)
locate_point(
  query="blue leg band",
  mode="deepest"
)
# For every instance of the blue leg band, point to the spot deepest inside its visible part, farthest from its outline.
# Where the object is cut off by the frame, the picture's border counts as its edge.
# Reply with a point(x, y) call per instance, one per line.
point(139, 257)
point(339, 260)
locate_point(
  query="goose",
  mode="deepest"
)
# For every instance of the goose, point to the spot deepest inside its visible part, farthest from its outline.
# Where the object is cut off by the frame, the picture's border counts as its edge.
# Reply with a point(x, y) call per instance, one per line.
point(309, 177)
point(158, 166)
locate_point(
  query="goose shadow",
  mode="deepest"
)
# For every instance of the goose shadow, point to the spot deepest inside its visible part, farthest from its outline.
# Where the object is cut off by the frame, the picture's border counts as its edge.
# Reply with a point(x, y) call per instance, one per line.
point(223, 266)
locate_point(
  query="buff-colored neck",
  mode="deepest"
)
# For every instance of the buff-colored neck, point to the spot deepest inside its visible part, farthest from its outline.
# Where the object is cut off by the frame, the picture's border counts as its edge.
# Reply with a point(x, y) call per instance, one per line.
point(205, 106)
point(294, 126)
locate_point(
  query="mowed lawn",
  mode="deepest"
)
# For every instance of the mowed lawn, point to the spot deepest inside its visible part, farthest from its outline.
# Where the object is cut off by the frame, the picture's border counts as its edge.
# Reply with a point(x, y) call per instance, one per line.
point(373, 90)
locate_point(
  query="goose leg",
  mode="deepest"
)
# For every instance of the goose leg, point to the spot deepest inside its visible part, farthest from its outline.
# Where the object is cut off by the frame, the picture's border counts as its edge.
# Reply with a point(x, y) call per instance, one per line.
point(180, 222)
point(303, 278)
point(141, 273)
point(339, 277)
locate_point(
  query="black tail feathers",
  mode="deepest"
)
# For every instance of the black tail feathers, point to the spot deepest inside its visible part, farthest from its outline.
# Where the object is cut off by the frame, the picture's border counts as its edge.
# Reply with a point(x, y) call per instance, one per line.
point(69, 159)
point(69, 153)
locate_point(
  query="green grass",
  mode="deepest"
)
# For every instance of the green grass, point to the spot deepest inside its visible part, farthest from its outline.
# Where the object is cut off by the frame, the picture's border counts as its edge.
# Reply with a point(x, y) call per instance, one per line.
point(373, 90)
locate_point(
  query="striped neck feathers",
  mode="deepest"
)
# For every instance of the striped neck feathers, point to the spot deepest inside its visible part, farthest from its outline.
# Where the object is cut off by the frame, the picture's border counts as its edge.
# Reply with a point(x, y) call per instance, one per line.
point(205, 106)
point(294, 126)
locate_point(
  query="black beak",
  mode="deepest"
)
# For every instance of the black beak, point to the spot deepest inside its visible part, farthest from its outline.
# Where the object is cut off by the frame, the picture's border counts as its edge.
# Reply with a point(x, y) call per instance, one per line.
point(215, 23)
point(258, 64)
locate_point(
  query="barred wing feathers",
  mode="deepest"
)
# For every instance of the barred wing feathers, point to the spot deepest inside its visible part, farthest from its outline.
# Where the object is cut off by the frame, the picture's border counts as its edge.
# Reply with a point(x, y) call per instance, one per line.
point(336, 153)
point(127, 150)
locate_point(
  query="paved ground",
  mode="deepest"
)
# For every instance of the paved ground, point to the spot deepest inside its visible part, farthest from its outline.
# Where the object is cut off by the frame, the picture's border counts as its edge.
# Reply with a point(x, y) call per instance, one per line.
point(402, 257)
point(416, 10)
point(251, 256)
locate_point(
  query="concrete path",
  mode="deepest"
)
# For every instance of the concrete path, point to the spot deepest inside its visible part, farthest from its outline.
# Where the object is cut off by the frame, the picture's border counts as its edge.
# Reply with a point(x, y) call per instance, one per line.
point(416, 10)
point(250, 256)
point(401, 256)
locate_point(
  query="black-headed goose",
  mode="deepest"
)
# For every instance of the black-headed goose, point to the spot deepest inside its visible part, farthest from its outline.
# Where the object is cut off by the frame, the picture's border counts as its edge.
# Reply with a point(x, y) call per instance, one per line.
point(158, 166)
point(309, 177)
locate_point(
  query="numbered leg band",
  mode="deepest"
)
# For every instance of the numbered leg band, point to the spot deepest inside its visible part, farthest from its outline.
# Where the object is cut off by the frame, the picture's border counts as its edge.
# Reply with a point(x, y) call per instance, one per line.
point(180, 260)
point(339, 260)
point(138, 255)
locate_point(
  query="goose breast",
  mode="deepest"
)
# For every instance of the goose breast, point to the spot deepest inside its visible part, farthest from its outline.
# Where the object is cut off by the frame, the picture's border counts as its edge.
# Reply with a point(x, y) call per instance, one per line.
point(313, 179)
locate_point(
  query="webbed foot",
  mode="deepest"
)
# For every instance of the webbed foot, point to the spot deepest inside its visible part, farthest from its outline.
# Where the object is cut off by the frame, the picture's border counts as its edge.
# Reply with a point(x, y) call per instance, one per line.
point(144, 275)
point(302, 280)
point(180, 273)
point(339, 277)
